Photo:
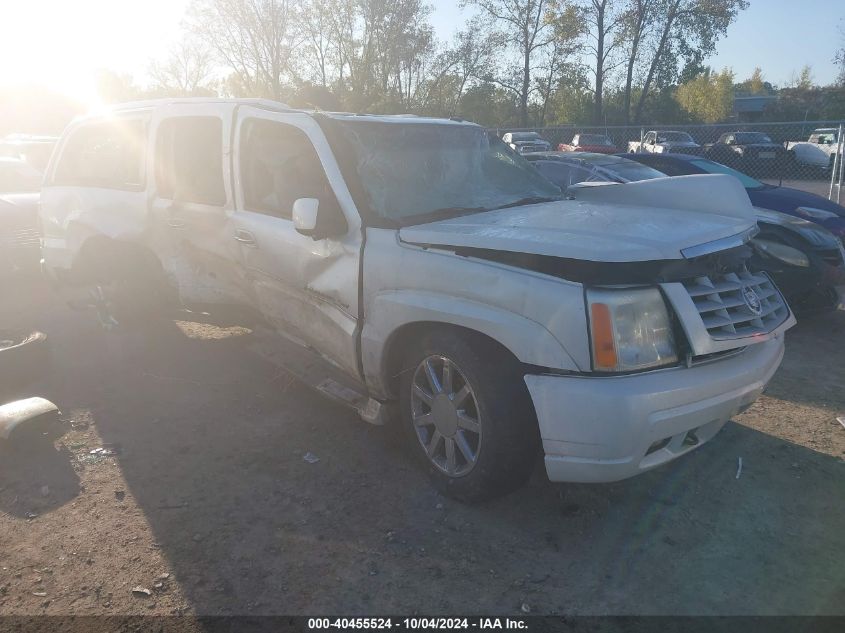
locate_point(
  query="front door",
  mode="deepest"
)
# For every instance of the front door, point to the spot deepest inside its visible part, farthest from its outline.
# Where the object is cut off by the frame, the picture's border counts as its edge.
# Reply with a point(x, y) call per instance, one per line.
point(307, 288)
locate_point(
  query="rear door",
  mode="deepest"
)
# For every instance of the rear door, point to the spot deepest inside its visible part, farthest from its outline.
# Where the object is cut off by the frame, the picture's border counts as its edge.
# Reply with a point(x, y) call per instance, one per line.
point(192, 204)
point(307, 288)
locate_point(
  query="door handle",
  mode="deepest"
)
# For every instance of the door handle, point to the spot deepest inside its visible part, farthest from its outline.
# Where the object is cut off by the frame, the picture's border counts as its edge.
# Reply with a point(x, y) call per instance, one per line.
point(246, 238)
point(175, 224)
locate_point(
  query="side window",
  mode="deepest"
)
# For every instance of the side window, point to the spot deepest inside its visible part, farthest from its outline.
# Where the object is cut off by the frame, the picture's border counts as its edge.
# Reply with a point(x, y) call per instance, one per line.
point(666, 166)
point(109, 155)
point(278, 165)
point(649, 138)
point(189, 160)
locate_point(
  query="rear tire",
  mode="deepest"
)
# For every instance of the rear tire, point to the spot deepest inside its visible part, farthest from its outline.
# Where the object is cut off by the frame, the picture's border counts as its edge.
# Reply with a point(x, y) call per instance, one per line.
point(467, 415)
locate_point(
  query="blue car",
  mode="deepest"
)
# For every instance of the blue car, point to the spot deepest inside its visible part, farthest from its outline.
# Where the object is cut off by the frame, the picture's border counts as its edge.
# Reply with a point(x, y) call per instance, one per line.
point(801, 204)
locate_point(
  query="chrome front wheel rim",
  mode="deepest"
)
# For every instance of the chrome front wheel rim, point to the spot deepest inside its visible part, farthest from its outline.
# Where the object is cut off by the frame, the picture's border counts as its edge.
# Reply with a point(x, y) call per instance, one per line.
point(445, 414)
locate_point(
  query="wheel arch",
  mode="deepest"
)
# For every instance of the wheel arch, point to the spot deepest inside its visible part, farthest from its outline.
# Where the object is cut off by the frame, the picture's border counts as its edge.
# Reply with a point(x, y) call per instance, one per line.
point(399, 316)
point(101, 257)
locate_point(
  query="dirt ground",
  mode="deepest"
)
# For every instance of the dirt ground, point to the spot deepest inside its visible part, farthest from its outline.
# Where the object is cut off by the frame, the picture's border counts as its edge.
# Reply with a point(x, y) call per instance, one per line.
point(202, 497)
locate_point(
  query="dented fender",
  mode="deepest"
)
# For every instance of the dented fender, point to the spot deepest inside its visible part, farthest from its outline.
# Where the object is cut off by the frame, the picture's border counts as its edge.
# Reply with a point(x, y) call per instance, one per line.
point(527, 340)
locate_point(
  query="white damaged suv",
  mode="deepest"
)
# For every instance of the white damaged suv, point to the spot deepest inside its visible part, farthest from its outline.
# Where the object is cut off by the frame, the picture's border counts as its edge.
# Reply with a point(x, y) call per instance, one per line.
point(421, 267)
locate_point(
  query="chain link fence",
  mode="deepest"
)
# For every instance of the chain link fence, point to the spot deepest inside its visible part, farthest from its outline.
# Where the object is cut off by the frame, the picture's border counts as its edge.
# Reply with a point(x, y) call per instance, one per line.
point(802, 154)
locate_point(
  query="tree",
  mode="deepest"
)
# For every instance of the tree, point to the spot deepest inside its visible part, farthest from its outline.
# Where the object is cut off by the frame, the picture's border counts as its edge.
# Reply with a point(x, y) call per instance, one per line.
point(186, 72)
point(755, 83)
point(604, 17)
point(708, 97)
point(557, 71)
point(525, 27)
point(114, 87)
point(255, 38)
point(683, 29)
point(636, 21)
point(469, 59)
point(803, 80)
point(839, 57)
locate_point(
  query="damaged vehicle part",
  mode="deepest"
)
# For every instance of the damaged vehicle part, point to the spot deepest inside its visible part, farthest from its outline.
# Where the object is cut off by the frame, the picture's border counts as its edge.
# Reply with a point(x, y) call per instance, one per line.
point(13, 414)
point(808, 278)
point(417, 265)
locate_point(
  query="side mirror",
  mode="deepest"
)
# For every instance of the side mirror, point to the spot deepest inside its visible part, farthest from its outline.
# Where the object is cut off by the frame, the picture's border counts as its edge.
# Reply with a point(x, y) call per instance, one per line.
point(305, 215)
point(318, 224)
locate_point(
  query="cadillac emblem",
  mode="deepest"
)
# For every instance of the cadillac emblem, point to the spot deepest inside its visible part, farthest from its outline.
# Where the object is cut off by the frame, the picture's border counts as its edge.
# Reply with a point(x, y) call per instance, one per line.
point(752, 300)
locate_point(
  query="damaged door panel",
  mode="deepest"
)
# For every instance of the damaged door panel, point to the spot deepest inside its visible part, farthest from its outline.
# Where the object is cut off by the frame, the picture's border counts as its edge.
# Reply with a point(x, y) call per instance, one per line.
point(307, 287)
point(97, 187)
point(191, 203)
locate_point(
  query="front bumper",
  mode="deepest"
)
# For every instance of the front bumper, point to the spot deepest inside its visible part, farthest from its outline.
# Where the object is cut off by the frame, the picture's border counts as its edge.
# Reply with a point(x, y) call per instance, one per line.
point(600, 429)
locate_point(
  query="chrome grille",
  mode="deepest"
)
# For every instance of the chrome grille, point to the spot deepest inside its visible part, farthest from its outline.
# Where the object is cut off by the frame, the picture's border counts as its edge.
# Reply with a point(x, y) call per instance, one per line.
point(726, 304)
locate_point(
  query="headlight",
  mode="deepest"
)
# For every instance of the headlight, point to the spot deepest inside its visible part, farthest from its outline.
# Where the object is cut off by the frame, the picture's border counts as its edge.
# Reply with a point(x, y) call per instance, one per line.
point(630, 330)
point(782, 252)
point(816, 214)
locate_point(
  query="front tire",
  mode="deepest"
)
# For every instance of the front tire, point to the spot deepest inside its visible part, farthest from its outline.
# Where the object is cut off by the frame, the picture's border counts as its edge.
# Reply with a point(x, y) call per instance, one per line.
point(468, 416)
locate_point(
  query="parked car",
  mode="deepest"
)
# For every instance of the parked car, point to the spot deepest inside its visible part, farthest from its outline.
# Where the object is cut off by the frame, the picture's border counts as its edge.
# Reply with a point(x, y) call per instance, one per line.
point(801, 204)
point(413, 262)
point(818, 151)
point(566, 169)
point(658, 142)
point(19, 234)
point(33, 149)
point(751, 152)
point(806, 261)
point(598, 143)
point(523, 142)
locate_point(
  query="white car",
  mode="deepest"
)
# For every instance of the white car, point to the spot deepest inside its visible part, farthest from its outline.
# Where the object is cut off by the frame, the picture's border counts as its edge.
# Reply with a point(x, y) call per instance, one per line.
point(416, 265)
point(817, 151)
point(657, 142)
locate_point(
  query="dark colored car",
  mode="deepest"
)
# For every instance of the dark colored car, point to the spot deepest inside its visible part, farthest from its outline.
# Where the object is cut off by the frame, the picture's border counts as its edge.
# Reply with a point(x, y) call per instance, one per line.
point(801, 204)
point(598, 143)
point(523, 142)
point(20, 248)
point(752, 152)
point(806, 261)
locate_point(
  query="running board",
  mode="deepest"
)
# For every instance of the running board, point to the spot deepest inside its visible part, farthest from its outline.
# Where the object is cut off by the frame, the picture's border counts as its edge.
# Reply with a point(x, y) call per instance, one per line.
point(309, 368)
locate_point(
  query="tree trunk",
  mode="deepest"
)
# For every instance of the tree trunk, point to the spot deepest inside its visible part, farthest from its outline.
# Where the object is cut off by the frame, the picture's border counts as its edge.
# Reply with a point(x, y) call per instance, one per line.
point(597, 105)
point(664, 37)
point(632, 59)
point(526, 84)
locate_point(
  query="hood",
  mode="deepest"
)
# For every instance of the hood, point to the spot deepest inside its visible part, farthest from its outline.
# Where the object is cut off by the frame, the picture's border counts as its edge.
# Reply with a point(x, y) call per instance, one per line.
point(763, 146)
point(609, 223)
point(679, 144)
point(789, 199)
point(530, 143)
point(597, 149)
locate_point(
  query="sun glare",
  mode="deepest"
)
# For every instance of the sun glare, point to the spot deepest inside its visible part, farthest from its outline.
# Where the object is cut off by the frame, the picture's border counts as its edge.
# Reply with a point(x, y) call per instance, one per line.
point(63, 46)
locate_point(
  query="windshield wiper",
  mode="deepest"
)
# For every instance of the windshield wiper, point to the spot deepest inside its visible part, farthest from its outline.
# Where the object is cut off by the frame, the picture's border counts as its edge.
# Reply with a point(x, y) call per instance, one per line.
point(525, 201)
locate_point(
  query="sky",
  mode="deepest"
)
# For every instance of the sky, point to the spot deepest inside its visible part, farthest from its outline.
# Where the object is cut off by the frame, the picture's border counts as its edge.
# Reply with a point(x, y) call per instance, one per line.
point(62, 44)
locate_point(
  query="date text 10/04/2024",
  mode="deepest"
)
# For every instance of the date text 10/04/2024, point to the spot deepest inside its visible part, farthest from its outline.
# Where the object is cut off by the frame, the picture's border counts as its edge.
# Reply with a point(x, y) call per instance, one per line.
point(417, 623)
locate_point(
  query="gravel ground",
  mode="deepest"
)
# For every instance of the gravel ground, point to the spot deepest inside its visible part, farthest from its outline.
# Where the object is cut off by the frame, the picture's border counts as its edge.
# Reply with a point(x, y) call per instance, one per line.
point(201, 496)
